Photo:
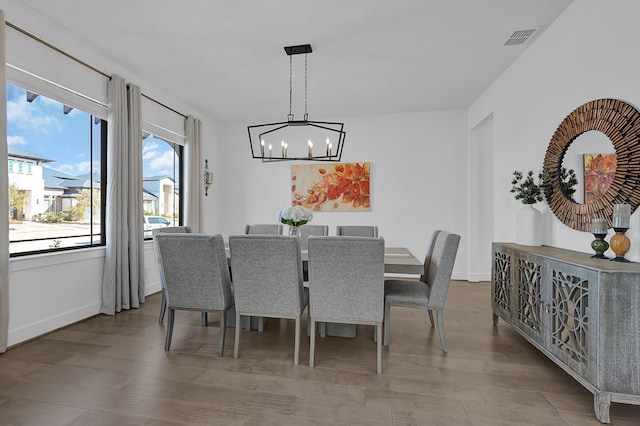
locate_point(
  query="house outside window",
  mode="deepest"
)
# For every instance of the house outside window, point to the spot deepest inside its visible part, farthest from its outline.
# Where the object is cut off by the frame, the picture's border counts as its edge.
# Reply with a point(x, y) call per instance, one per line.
point(162, 168)
point(56, 200)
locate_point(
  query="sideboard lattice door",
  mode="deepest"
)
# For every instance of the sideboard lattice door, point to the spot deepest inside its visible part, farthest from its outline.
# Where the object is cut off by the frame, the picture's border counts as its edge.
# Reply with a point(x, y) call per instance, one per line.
point(570, 319)
point(502, 285)
point(530, 303)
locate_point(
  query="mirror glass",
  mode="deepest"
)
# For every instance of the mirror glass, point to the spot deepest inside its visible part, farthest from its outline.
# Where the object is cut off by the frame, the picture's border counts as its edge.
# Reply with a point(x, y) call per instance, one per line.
point(592, 156)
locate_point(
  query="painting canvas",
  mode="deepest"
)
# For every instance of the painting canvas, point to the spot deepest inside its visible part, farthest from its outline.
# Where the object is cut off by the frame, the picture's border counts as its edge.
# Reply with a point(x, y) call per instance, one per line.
point(599, 170)
point(331, 187)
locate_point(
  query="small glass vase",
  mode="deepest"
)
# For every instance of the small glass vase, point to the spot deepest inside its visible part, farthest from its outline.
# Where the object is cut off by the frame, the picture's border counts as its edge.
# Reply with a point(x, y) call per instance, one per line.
point(600, 246)
point(293, 230)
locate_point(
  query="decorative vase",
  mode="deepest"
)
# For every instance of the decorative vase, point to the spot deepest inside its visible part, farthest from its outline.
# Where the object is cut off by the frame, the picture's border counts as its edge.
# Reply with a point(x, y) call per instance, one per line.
point(620, 244)
point(529, 226)
point(293, 230)
point(600, 246)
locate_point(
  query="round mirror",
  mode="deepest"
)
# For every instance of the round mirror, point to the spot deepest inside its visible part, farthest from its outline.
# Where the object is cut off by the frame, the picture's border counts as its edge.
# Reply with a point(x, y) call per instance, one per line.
point(620, 123)
point(593, 158)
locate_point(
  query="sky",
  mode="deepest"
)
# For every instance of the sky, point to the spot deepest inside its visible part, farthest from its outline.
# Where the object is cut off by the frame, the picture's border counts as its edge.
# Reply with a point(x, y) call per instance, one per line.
point(42, 128)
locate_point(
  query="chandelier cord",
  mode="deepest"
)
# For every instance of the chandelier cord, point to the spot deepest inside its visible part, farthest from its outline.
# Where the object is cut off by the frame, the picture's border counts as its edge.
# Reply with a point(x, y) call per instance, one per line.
point(306, 114)
point(290, 116)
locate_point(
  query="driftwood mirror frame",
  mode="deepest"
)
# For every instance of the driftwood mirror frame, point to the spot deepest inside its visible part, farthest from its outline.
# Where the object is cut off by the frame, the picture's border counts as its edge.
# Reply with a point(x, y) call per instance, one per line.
point(620, 122)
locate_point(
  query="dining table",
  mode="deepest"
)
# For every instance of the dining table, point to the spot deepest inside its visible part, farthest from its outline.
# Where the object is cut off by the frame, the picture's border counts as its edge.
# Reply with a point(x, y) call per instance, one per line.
point(397, 260)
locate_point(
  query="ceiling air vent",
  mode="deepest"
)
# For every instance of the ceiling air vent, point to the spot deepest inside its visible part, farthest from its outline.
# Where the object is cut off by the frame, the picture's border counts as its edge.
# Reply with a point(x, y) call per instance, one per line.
point(520, 37)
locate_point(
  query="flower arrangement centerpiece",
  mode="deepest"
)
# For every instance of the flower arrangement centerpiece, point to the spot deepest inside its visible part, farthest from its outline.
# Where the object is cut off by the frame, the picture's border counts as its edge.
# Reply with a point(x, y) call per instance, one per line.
point(294, 216)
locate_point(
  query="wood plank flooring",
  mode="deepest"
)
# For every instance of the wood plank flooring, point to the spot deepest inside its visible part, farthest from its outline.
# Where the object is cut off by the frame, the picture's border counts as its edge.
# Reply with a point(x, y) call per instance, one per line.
point(114, 371)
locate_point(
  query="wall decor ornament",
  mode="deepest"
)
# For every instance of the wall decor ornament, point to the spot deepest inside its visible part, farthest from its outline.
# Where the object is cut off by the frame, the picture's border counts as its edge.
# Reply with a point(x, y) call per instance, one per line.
point(207, 177)
point(331, 187)
point(620, 122)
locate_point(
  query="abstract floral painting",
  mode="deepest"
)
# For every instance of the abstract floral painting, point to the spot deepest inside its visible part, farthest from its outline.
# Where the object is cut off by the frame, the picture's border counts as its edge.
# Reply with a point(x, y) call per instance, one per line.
point(331, 187)
point(599, 170)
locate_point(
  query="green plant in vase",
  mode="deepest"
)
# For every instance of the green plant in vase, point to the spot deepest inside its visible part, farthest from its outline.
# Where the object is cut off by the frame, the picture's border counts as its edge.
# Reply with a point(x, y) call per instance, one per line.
point(527, 190)
point(528, 220)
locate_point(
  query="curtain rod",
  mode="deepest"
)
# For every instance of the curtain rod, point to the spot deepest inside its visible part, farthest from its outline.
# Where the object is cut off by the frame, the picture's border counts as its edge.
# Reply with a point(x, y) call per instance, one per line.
point(73, 58)
point(162, 105)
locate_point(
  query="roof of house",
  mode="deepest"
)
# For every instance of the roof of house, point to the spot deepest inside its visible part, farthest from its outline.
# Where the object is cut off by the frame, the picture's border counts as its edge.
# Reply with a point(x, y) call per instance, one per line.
point(61, 180)
point(15, 151)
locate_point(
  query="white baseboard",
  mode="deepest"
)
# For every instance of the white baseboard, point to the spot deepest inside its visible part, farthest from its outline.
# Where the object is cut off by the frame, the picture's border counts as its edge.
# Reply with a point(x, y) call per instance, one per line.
point(47, 325)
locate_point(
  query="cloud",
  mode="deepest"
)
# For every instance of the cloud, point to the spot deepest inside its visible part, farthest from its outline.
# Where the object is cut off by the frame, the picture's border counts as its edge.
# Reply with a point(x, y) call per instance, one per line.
point(163, 164)
point(78, 168)
point(30, 115)
point(149, 150)
point(67, 168)
point(83, 167)
point(16, 140)
point(159, 158)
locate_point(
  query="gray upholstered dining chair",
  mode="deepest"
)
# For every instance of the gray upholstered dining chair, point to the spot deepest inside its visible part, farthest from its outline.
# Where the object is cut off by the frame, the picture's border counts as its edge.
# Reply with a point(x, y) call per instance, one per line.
point(154, 232)
point(357, 230)
point(264, 228)
point(346, 284)
point(196, 274)
point(267, 280)
point(430, 292)
point(305, 231)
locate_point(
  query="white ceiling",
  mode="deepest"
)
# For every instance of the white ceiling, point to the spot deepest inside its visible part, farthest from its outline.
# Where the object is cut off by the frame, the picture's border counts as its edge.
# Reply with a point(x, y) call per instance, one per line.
point(226, 59)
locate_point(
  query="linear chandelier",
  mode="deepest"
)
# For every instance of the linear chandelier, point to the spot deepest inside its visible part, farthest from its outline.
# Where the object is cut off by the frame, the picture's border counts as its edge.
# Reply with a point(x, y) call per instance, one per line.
point(297, 139)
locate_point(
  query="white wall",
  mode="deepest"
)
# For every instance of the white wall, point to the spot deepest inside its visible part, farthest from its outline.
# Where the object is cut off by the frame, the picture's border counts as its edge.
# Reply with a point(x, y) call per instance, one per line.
point(586, 54)
point(418, 179)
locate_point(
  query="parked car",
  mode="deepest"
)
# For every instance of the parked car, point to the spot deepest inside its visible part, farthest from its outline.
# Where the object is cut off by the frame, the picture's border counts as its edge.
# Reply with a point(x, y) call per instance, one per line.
point(154, 222)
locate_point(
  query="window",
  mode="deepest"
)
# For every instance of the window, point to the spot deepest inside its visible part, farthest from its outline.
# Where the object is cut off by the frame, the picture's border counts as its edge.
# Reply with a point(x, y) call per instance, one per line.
point(55, 200)
point(162, 173)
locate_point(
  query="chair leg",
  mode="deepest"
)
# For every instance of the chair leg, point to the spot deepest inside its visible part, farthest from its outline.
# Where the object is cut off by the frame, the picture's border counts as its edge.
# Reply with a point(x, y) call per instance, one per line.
point(379, 351)
point(223, 333)
point(430, 317)
point(312, 342)
point(236, 346)
point(443, 342)
point(386, 321)
point(296, 350)
point(167, 339)
point(204, 319)
point(163, 306)
point(322, 329)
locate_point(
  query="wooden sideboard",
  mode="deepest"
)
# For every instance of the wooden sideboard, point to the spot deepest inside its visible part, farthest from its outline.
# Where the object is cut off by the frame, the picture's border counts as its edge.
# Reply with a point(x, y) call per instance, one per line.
point(583, 313)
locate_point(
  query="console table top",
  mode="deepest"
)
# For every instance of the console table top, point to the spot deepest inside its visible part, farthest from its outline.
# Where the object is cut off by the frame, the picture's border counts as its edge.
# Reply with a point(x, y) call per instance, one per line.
point(575, 257)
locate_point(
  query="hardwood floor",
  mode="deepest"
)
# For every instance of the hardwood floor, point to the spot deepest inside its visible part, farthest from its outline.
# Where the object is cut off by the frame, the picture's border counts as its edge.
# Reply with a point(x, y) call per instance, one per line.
point(114, 371)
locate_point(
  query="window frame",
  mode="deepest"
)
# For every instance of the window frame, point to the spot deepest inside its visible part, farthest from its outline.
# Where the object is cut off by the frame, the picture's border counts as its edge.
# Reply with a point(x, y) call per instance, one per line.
point(65, 96)
point(178, 145)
